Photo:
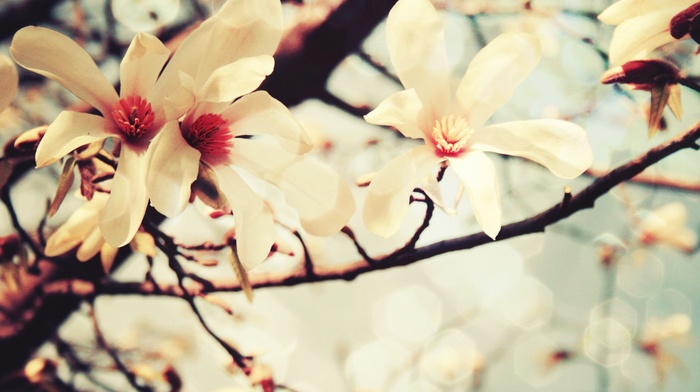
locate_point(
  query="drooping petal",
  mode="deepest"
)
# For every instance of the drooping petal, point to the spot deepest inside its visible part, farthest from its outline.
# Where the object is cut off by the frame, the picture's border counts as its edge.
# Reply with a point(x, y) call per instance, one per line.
point(141, 65)
point(478, 174)
point(91, 245)
point(402, 111)
point(8, 81)
point(255, 227)
point(128, 200)
point(627, 9)
point(417, 49)
point(260, 114)
point(172, 168)
point(320, 196)
point(233, 80)
point(78, 226)
point(560, 146)
point(69, 131)
point(58, 58)
point(242, 28)
point(387, 197)
point(636, 37)
point(494, 74)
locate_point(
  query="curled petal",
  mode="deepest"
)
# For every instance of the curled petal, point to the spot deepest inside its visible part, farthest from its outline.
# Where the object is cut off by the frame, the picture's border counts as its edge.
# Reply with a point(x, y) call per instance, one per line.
point(8, 81)
point(401, 110)
point(172, 168)
point(255, 227)
point(636, 37)
point(320, 196)
point(128, 200)
point(417, 49)
point(233, 80)
point(628, 9)
point(69, 131)
point(478, 174)
point(560, 146)
point(59, 58)
point(260, 114)
point(387, 197)
point(142, 63)
point(494, 74)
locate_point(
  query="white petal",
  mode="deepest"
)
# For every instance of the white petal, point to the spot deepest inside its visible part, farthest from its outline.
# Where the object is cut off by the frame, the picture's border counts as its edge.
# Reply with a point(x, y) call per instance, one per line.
point(478, 174)
point(628, 9)
point(128, 200)
point(91, 245)
point(387, 197)
point(233, 80)
point(77, 227)
point(255, 227)
point(142, 63)
point(635, 38)
point(8, 81)
point(417, 49)
point(69, 131)
point(242, 28)
point(58, 58)
point(320, 196)
point(172, 168)
point(260, 114)
point(402, 111)
point(560, 146)
point(494, 74)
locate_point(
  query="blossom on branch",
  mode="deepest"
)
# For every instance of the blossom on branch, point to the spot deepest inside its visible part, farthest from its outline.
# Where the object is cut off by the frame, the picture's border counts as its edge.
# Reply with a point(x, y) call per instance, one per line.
point(452, 124)
point(644, 25)
point(667, 225)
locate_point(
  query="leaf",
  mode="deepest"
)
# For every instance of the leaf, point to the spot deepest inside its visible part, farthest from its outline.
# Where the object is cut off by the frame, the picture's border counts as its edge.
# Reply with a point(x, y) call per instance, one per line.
point(674, 100)
point(242, 274)
point(5, 171)
point(64, 184)
point(206, 187)
point(659, 98)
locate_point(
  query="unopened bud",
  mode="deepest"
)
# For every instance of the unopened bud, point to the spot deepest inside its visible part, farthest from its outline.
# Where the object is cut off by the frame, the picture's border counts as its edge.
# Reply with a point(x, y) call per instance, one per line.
point(644, 74)
point(686, 22)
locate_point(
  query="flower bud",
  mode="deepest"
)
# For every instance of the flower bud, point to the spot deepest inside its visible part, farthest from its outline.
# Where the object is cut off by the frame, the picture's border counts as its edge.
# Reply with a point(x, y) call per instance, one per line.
point(686, 22)
point(643, 74)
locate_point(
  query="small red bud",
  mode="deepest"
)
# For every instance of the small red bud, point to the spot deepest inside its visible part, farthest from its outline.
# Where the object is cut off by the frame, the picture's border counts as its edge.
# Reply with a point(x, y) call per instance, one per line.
point(643, 74)
point(686, 22)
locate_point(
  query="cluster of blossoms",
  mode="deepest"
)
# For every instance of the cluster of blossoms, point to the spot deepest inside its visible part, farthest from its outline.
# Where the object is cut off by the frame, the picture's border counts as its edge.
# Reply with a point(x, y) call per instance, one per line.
point(190, 122)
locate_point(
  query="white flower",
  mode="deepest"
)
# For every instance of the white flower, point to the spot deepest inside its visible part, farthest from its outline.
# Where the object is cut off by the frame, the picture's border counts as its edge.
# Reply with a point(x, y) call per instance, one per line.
point(451, 125)
point(666, 225)
point(642, 26)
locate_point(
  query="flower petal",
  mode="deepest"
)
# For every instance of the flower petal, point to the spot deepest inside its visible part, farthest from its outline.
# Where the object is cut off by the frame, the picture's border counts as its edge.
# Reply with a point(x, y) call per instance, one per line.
point(320, 196)
point(141, 65)
point(8, 81)
point(242, 28)
point(478, 174)
point(560, 146)
point(128, 200)
point(387, 197)
point(231, 81)
point(78, 226)
point(92, 243)
point(69, 131)
point(172, 168)
point(58, 58)
point(401, 110)
point(628, 9)
point(260, 114)
point(636, 37)
point(417, 49)
point(255, 227)
point(494, 74)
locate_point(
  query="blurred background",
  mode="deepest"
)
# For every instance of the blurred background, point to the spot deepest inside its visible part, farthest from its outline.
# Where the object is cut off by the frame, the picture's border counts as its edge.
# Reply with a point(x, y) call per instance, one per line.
point(601, 301)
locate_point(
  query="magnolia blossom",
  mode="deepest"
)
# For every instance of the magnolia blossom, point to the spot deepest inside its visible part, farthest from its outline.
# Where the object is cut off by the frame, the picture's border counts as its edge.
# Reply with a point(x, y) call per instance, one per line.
point(8, 81)
point(148, 99)
point(644, 25)
point(452, 124)
point(667, 225)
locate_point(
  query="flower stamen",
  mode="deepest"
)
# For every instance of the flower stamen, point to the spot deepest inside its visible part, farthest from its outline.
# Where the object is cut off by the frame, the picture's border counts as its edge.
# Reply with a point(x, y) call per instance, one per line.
point(451, 134)
point(211, 136)
point(133, 116)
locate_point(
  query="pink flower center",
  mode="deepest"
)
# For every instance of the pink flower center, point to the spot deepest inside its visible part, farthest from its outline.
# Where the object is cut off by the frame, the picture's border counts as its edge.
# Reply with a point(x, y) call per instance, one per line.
point(133, 116)
point(451, 135)
point(210, 135)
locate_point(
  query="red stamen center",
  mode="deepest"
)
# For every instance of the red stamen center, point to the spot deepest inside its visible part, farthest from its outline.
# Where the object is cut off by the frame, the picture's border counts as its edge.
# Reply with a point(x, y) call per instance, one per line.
point(133, 116)
point(210, 135)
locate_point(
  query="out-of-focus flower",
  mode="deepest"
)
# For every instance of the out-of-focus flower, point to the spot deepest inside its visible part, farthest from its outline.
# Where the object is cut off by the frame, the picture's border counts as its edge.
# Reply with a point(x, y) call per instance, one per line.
point(8, 81)
point(659, 77)
point(658, 334)
point(667, 226)
point(451, 125)
point(644, 25)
